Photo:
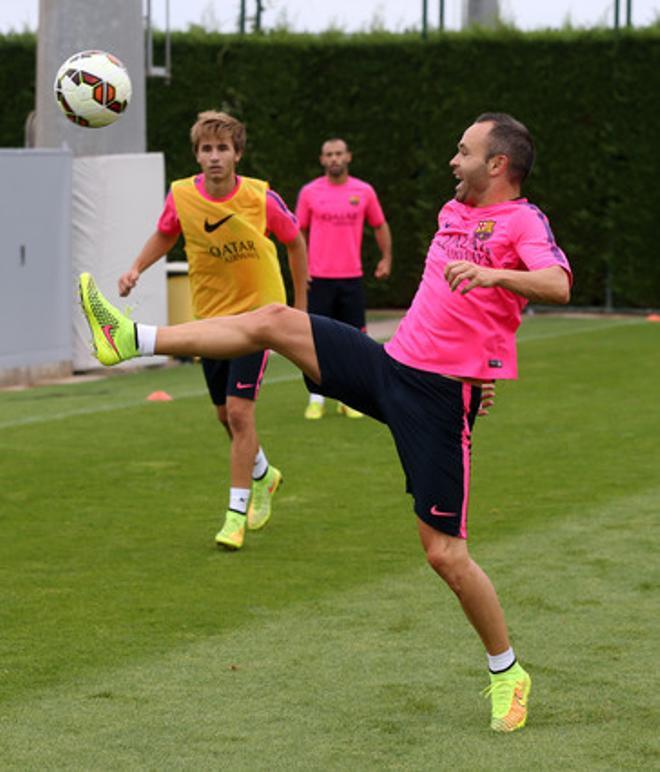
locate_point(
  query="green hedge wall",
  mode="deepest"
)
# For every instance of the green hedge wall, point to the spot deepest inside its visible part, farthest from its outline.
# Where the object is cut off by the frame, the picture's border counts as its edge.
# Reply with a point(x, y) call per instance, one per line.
point(18, 62)
point(589, 98)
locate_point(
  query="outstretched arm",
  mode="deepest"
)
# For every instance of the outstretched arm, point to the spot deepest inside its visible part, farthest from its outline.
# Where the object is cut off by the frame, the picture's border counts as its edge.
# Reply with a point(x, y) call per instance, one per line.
point(546, 285)
point(157, 245)
point(297, 252)
point(384, 241)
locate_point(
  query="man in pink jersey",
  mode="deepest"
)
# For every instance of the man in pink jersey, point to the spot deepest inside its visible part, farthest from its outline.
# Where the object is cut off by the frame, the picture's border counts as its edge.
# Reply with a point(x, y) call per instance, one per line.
point(492, 253)
point(331, 212)
point(233, 267)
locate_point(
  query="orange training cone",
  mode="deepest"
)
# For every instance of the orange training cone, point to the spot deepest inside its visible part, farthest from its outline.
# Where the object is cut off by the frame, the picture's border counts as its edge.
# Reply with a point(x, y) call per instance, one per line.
point(159, 396)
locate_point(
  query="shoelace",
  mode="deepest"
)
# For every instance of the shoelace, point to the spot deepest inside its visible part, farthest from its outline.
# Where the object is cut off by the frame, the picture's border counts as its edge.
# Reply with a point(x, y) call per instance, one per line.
point(500, 691)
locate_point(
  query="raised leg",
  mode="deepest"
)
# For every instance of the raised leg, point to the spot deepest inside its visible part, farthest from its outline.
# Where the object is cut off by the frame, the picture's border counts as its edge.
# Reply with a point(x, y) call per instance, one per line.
point(278, 327)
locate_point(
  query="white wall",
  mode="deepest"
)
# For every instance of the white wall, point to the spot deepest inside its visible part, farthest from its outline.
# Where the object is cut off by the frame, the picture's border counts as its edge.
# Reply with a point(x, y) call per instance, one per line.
point(35, 262)
point(60, 216)
point(116, 203)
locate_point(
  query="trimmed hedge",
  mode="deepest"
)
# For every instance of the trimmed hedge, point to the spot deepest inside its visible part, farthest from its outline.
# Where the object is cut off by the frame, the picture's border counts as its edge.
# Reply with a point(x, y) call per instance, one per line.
point(18, 64)
point(589, 98)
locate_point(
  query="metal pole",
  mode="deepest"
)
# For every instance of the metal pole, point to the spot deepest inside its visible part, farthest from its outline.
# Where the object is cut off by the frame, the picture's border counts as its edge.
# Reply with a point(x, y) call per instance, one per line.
point(168, 41)
point(425, 18)
point(617, 13)
point(241, 18)
point(441, 20)
point(628, 13)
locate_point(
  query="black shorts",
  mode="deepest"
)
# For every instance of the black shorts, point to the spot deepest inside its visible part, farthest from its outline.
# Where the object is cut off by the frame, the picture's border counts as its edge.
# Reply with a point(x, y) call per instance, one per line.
point(430, 417)
point(341, 299)
point(239, 377)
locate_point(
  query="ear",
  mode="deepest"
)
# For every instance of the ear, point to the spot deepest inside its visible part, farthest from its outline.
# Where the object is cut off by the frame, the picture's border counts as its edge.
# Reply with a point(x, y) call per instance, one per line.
point(349, 156)
point(498, 165)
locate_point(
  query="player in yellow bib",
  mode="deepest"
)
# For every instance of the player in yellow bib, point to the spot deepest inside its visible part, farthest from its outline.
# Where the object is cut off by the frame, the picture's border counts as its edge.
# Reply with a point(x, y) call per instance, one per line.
point(233, 267)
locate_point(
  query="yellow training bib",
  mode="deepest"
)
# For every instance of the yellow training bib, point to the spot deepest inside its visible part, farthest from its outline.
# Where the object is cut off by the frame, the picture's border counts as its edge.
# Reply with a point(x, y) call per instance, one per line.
point(232, 265)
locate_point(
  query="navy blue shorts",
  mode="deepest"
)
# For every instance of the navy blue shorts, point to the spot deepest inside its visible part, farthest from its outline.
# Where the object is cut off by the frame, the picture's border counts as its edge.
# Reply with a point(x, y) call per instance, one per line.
point(341, 299)
point(430, 417)
point(239, 377)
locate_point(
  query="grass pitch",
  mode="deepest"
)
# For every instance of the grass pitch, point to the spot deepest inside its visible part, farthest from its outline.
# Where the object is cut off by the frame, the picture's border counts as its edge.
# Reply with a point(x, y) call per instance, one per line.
point(129, 642)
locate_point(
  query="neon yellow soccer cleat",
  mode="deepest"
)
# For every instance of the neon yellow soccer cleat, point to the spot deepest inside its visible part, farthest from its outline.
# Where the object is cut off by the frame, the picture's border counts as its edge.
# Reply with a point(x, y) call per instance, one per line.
point(113, 334)
point(261, 501)
point(314, 411)
point(232, 533)
point(349, 412)
point(509, 693)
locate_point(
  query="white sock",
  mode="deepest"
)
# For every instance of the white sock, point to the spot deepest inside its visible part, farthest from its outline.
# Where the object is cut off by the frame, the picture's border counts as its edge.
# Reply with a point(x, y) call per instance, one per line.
point(238, 499)
point(497, 663)
point(319, 399)
point(146, 339)
point(260, 465)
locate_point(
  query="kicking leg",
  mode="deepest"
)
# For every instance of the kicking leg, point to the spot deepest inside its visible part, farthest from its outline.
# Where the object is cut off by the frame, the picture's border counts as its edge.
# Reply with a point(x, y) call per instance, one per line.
point(116, 338)
point(283, 329)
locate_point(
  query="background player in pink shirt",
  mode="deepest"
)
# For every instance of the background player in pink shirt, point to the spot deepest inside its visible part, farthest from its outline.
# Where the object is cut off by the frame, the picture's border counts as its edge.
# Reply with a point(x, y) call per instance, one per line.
point(331, 211)
point(493, 251)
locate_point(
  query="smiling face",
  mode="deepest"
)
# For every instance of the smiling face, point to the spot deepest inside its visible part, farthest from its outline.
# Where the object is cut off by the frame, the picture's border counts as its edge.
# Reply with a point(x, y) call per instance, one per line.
point(335, 158)
point(470, 165)
point(217, 158)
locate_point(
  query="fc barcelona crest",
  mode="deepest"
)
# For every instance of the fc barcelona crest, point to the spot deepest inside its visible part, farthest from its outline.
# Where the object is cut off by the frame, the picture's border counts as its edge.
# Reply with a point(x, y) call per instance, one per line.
point(354, 200)
point(484, 230)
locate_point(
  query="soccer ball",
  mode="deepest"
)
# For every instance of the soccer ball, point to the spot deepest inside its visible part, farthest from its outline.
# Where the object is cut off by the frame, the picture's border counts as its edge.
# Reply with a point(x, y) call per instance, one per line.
point(92, 88)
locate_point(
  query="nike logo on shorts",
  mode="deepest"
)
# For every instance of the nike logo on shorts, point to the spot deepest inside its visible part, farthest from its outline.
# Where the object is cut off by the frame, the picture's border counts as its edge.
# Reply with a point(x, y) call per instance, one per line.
point(240, 385)
point(438, 513)
point(210, 227)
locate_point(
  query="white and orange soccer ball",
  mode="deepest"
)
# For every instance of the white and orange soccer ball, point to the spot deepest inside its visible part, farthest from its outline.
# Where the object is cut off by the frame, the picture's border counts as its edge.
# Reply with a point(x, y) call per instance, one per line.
point(92, 88)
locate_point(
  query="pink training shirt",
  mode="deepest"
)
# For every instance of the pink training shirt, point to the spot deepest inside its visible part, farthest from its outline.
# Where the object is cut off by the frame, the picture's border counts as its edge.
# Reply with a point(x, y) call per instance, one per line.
point(473, 335)
point(335, 216)
point(279, 219)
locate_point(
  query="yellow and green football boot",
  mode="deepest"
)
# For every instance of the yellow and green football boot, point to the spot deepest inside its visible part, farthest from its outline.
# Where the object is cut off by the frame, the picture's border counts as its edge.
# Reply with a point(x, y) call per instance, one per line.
point(113, 334)
point(314, 411)
point(509, 692)
point(261, 501)
point(232, 533)
point(349, 412)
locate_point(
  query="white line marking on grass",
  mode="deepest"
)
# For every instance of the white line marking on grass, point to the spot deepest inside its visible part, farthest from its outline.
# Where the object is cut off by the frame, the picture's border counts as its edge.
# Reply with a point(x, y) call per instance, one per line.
point(287, 378)
point(94, 409)
point(599, 327)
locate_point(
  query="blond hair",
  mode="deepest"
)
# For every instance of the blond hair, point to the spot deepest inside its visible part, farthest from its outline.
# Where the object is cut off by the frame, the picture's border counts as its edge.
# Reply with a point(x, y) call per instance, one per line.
point(214, 123)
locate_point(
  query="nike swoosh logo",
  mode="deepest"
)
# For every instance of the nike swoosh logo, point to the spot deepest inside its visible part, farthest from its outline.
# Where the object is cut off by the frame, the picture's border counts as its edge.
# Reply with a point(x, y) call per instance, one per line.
point(519, 694)
point(435, 511)
point(106, 330)
point(240, 385)
point(210, 227)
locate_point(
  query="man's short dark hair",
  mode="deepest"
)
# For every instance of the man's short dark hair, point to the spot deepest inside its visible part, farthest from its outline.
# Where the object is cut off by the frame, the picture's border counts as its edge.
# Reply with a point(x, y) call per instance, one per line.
point(335, 139)
point(511, 138)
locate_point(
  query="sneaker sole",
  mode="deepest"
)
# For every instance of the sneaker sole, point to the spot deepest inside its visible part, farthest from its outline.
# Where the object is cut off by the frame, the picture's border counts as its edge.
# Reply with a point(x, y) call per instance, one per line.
point(227, 545)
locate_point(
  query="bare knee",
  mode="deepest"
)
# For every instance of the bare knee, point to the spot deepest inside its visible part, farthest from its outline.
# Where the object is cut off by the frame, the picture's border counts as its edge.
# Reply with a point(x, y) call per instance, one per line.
point(268, 322)
point(240, 416)
point(449, 563)
point(221, 412)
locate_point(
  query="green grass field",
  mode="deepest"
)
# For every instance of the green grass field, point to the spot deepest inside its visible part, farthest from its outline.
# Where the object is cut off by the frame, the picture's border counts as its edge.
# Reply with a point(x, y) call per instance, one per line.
point(129, 642)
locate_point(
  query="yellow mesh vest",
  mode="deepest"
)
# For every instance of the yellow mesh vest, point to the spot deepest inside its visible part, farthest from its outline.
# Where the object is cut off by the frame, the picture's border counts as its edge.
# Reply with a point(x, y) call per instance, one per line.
point(232, 265)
